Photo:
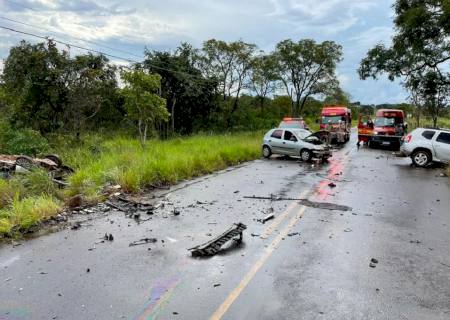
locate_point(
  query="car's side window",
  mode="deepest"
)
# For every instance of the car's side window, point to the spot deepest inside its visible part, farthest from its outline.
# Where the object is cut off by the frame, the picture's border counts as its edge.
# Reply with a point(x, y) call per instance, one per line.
point(288, 135)
point(428, 134)
point(443, 137)
point(277, 134)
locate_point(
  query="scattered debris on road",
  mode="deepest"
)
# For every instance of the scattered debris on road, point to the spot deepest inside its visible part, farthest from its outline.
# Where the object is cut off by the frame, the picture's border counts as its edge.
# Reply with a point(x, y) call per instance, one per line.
point(215, 245)
point(332, 185)
point(76, 225)
point(143, 241)
point(373, 263)
point(305, 202)
point(267, 218)
point(293, 234)
point(108, 237)
point(324, 205)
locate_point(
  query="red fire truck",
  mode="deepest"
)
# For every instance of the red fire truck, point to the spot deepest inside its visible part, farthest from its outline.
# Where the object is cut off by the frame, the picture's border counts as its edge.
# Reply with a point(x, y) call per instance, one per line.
point(389, 128)
point(338, 121)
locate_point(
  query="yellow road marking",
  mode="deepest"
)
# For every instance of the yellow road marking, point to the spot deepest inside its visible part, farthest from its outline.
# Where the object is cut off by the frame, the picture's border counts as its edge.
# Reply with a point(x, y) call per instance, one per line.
point(266, 233)
point(250, 275)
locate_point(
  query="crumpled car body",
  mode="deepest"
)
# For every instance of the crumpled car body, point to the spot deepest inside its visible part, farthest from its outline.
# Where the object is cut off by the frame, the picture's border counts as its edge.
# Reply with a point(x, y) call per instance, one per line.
point(296, 142)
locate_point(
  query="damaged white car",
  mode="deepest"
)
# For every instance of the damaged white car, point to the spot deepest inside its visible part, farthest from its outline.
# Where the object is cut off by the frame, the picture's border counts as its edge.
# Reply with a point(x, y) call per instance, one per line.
point(296, 142)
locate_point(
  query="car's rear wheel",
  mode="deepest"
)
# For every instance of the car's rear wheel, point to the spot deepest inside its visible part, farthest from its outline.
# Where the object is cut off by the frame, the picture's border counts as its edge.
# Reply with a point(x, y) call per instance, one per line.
point(266, 152)
point(306, 155)
point(421, 158)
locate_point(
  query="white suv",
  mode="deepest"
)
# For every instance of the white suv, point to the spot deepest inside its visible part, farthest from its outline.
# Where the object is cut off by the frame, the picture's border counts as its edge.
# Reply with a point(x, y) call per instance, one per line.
point(425, 145)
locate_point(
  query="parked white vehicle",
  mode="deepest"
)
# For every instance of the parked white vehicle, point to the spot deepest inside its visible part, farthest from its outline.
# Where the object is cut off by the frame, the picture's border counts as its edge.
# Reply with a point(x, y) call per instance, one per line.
point(425, 145)
point(295, 142)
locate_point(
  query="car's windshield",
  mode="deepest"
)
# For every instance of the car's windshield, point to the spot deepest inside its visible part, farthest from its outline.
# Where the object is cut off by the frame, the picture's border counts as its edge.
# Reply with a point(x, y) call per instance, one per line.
point(387, 122)
point(334, 119)
point(302, 134)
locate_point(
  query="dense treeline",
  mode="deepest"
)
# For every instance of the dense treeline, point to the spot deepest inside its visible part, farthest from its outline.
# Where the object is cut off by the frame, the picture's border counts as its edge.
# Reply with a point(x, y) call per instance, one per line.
point(221, 86)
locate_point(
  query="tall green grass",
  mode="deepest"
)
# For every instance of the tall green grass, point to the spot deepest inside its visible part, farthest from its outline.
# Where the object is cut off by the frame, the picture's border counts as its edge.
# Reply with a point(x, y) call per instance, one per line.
point(123, 161)
point(25, 200)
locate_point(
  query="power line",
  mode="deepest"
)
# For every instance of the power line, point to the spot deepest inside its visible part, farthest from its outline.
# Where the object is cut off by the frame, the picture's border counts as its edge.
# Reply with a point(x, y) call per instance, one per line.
point(76, 38)
point(68, 44)
point(193, 77)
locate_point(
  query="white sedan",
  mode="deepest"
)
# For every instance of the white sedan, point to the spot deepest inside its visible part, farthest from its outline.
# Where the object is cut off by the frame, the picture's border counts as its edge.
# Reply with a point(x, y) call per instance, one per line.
point(295, 142)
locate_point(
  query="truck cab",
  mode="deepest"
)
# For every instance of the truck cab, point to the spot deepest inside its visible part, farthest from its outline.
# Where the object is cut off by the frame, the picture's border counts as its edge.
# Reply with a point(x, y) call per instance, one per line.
point(389, 127)
point(338, 121)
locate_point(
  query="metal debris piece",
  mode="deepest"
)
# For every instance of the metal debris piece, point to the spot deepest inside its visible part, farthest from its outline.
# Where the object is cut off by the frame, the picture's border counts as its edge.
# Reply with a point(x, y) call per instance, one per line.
point(213, 246)
point(143, 241)
point(108, 237)
point(115, 206)
point(76, 226)
point(305, 202)
point(324, 205)
point(267, 218)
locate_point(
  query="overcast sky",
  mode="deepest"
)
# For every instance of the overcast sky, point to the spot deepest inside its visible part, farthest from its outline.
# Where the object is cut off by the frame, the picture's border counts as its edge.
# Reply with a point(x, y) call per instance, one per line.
point(130, 26)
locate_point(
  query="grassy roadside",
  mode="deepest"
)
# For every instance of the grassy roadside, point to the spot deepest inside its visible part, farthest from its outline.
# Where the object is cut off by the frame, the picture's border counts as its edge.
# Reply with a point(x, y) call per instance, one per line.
point(25, 200)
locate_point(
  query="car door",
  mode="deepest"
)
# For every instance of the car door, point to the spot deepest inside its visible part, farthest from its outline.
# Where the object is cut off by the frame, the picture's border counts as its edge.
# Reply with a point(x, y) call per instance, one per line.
point(290, 143)
point(442, 146)
point(276, 141)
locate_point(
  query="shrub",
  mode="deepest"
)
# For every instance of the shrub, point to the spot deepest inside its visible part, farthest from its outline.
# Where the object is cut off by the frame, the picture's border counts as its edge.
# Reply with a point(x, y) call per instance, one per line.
point(27, 142)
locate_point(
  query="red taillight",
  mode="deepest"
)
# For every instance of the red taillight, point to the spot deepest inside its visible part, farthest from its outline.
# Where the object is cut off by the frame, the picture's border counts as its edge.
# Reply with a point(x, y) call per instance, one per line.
point(408, 138)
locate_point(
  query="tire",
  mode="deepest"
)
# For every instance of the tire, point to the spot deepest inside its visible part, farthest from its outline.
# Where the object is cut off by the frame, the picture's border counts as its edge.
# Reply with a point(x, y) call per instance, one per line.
point(266, 152)
point(421, 158)
point(306, 155)
point(25, 162)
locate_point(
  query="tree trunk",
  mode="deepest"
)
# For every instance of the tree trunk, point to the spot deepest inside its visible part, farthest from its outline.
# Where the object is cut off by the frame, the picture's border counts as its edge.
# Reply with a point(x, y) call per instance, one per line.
point(141, 133)
point(234, 108)
point(172, 114)
point(303, 103)
point(297, 108)
point(262, 104)
point(418, 117)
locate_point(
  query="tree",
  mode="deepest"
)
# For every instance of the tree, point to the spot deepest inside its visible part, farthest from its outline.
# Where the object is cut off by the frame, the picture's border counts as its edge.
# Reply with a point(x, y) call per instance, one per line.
point(188, 93)
point(142, 101)
point(338, 97)
point(431, 92)
point(307, 68)
point(230, 64)
point(419, 53)
point(90, 82)
point(35, 75)
point(47, 90)
point(263, 77)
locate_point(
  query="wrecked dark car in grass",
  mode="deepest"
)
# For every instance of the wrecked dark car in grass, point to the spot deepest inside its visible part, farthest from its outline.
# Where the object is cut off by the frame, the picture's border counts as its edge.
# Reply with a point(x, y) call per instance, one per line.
point(296, 142)
point(10, 164)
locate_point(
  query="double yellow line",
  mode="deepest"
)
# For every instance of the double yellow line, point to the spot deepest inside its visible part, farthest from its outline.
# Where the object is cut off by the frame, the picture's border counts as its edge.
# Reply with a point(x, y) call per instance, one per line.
point(220, 312)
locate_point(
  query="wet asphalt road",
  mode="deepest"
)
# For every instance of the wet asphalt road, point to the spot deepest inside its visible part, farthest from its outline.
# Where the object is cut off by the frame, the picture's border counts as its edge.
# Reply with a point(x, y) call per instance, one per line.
point(307, 263)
